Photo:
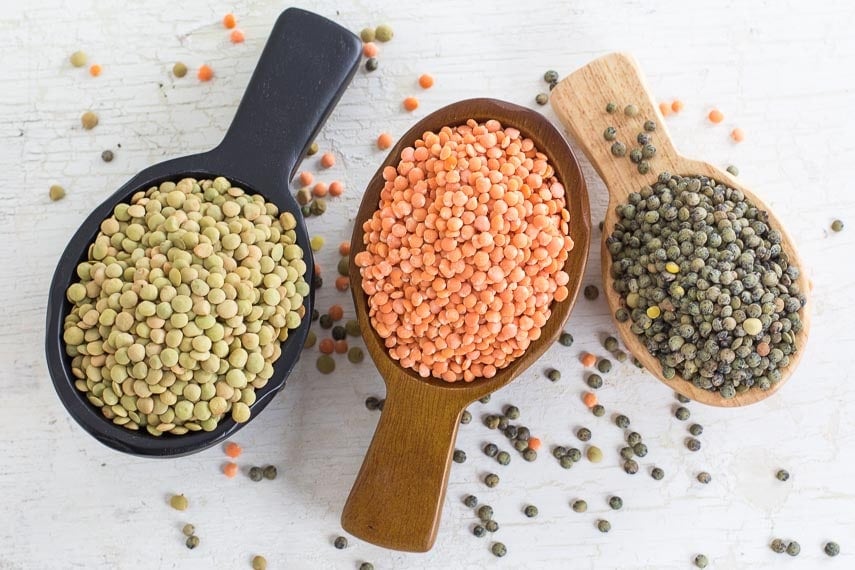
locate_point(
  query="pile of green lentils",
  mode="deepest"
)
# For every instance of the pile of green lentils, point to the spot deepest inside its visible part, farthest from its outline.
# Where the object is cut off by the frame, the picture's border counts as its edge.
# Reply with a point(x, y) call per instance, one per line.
point(181, 306)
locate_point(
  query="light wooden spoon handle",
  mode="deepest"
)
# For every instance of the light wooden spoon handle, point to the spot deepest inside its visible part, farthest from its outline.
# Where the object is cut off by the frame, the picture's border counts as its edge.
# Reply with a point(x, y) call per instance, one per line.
point(398, 495)
point(580, 102)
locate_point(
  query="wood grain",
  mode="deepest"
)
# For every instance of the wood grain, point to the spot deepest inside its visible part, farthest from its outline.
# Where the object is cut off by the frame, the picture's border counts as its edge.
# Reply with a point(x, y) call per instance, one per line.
point(580, 101)
point(397, 498)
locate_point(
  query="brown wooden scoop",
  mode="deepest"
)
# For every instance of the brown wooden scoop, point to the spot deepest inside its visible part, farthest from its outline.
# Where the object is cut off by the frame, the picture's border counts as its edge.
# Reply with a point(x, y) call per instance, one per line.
point(580, 101)
point(398, 495)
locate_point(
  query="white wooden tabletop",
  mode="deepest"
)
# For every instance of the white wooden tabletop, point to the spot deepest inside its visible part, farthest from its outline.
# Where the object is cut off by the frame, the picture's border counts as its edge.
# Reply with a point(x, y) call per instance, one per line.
point(780, 70)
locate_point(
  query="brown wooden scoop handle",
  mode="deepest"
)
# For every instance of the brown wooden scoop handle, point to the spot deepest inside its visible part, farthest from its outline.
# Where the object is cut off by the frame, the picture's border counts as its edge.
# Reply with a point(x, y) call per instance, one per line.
point(398, 495)
point(580, 102)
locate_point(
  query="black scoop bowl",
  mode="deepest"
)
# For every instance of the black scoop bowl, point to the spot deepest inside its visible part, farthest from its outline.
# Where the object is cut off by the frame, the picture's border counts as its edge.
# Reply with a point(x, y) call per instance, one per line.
point(305, 67)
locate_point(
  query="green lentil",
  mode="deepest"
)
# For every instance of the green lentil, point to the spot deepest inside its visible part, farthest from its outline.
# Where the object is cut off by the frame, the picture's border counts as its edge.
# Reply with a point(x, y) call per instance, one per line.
point(565, 461)
point(318, 206)
point(733, 170)
point(356, 355)
point(831, 548)
point(594, 454)
point(529, 454)
point(682, 413)
point(485, 512)
point(371, 64)
point(710, 259)
point(338, 332)
point(681, 398)
point(794, 548)
point(584, 434)
point(580, 506)
point(479, 530)
point(616, 503)
point(603, 525)
point(340, 542)
point(649, 126)
point(701, 561)
point(604, 365)
point(778, 546)
point(520, 445)
point(311, 339)
point(89, 120)
point(512, 412)
point(642, 138)
point(530, 511)
point(491, 480)
point(630, 467)
point(351, 327)
point(270, 472)
point(643, 167)
point(610, 133)
point(325, 321)
point(566, 339)
point(192, 542)
point(594, 381)
point(188, 529)
point(574, 454)
point(541, 98)
point(78, 59)
point(372, 403)
point(491, 421)
point(325, 364)
point(553, 374)
point(551, 76)
point(470, 501)
point(610, 343)
point(259, 562)
point(367, 35)
point(836, 226)
point(56, 192)
point(618, 149)
point(630, 110)
point(696, 429)
point(627, 453)
point(591, 292)
point(179, 502)
point(503, 457)
point(256, 473)
point(491, 526)
point(485, 399)
point(657, 473)
point(639, 449)
point(621, 421)
point(648, 151)
point(107, 156)
point(559, 451)
point(693, 444)
point(610, 108)
point(498, 549)
point(782, 475)
point(179, 70)
point(704, 478)
point(598, 410)
point(313, 149)
point(459, 456)
point(383, 33)
point(366, 566)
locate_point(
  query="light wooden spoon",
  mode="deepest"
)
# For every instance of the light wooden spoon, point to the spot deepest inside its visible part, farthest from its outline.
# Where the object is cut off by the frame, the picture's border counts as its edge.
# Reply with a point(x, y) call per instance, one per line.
point(397, 498)
point(580, 101)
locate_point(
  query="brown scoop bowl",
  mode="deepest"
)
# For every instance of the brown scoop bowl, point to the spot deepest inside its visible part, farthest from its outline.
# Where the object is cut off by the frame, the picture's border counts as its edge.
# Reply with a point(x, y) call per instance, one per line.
point(397, 498)
point(580, 101)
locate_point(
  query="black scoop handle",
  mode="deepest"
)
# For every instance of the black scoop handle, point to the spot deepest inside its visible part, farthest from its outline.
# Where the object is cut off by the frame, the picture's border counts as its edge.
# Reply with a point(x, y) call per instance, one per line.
point(305, 67)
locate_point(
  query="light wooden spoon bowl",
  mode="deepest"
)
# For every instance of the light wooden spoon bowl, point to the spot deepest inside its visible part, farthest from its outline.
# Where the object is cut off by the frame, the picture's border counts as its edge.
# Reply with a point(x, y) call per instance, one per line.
point(397, 498)
point(580, 101)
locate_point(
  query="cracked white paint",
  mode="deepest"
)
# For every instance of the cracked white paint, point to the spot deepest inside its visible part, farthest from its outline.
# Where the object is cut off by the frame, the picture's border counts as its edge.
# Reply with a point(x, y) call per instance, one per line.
point(780, 70)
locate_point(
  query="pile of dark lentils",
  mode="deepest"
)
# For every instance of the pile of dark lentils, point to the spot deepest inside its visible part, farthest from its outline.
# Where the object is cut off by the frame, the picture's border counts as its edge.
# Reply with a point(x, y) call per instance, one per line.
point(704, 280)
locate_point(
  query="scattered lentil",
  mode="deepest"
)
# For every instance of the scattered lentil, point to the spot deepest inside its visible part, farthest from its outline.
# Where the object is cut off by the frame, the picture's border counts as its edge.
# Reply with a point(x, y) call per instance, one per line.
point(491, 480)
point(503, 457)
point(591, 292)
point(610, 108)
point(367, 34)
point(782, 475)
point(340, 542)
point(630, 110)
point(836, 226)
point(778, 546)
point(470, 501)
point(411, 103)
point(89, 120)
point(693, 444)
point(604, 525)
point(56, 192)
point(541, 98)
point(78, 59)
point(512, 412)
point(615, 503)
point(325, 364)
point(598, 411)
point(639, 449)
point(831, 548)
point(491, 526)
point(498, 549)
point(610, 133)
point(366, 566)
point(205, 73)
point(630, 467)
point(682, 413)
point(566, 339)
point(580, 506)
point(696, 429)
point(622, 421)
point(604, 366)
point(371, 64)
point(230, 469)
point(270, 472)
point(256, 473)
point(178, 502)
point(192, 542)
point(733, 170)
point(355, 355)
point(657, 473)
point(794, 548)
point(383, 33)
point(701, 561)
point(459, 456)
point(259, 562)
point(553, 374)
point(584, 434)
point(704, 477)
point(485, 512)
point(594, 454)
point(479, 530)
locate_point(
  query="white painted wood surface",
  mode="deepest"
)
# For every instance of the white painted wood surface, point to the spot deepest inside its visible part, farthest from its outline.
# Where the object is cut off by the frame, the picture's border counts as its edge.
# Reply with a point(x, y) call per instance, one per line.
point(780, 70)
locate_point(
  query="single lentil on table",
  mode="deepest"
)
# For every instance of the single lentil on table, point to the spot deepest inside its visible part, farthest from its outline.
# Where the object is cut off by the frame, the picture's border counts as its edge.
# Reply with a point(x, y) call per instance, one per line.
point(447, 311)
point(707, 264)
point(179, 314)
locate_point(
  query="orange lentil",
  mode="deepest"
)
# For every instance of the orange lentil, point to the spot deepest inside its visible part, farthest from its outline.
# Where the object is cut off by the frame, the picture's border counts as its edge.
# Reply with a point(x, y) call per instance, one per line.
point(426, 81)
point(320, 189)
point(344, 248)
point(369, 49)
point(384, 141)
point(233, 450)
point(306, 178)
point(534, 443)
point(465, 251)
point(230, 469)
point(237, 37)
point(588, 359)
point(715, 116)
point(95, 70)
point(340, 346)
point(336, 313)
point(336, 188)
point(229, 21)
point(411, 103)
point(664, 108)
point(328, 160)
point(205, 73)
point(737, 134)
point(763, 349)
point(317, 269)
point(342, 283)
point(590, 399)
point(326, 346)
point(677, 106)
